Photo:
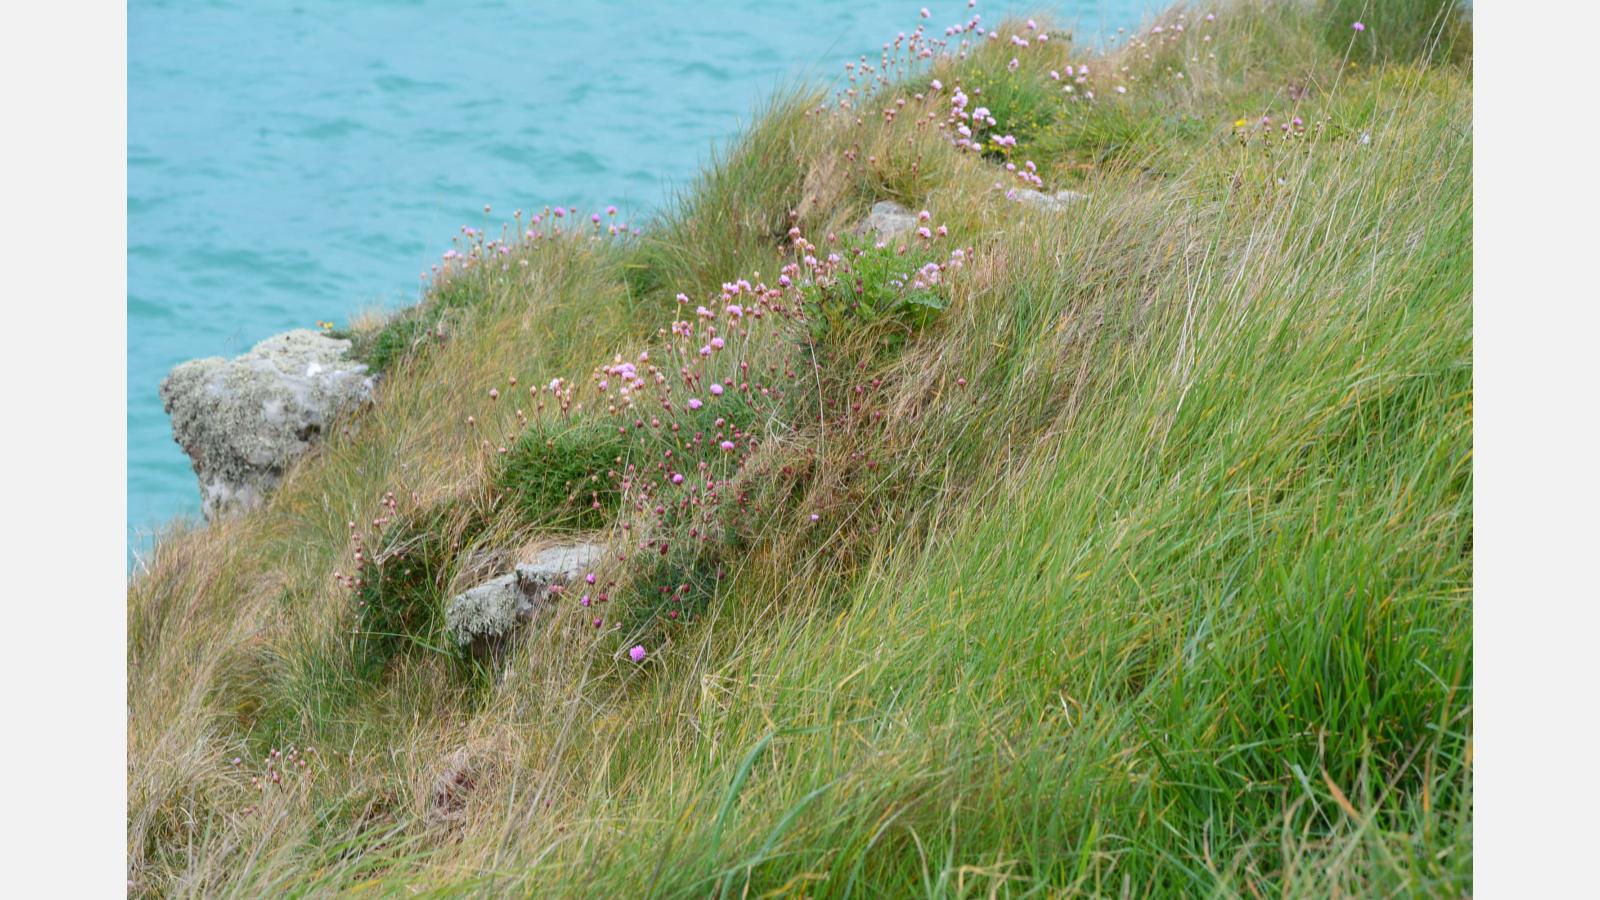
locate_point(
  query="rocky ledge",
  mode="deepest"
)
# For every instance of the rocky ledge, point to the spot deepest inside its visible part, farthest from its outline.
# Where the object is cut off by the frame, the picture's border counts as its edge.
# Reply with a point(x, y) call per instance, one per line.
point(1056, 202)
point(242, 421)
point(887, 219)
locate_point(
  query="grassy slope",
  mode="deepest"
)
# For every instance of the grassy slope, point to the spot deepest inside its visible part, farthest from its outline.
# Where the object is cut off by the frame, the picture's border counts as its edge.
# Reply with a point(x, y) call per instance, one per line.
point(1173, 594)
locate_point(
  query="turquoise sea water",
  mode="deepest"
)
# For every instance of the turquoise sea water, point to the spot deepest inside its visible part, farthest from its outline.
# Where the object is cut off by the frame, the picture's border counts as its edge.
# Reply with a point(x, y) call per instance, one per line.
point(296, 161)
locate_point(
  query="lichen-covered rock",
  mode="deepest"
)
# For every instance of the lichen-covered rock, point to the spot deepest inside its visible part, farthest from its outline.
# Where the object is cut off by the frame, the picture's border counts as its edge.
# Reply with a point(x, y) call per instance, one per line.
point(1054, 202)
point(242, 421)
point(888, 219)
point(493, 609)
point(488, 610)
point(559, 565)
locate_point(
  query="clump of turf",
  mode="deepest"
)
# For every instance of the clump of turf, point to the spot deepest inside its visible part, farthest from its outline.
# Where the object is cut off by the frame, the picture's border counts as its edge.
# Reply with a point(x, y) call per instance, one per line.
point(391, 343)
point(556, 475)
point(399, 599)
point(674, 589)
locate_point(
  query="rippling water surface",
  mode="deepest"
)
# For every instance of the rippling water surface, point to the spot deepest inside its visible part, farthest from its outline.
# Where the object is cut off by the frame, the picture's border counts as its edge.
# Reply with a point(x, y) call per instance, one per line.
point(290, 162)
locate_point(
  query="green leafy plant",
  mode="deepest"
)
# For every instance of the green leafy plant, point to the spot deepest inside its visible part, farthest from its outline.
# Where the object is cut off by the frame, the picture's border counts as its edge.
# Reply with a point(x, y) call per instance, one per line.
point(877, 291)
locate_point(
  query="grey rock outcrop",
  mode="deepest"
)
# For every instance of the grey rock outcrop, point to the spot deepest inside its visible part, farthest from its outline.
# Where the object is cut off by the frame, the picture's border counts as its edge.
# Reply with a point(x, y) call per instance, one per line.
point(242, 421)
point(888, 219)
point(1054, 202)
point(493, 609)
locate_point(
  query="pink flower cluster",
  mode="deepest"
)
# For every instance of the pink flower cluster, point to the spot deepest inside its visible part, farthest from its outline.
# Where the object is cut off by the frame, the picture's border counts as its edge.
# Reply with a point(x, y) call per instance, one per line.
point(275, 769)
point(473, 248)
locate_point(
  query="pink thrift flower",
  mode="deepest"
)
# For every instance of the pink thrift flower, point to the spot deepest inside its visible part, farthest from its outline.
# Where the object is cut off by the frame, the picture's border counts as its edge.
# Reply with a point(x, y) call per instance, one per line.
point(727, 446)
point(1358, 26)
point(637, 653)
point(694, 403)
point(716, 389)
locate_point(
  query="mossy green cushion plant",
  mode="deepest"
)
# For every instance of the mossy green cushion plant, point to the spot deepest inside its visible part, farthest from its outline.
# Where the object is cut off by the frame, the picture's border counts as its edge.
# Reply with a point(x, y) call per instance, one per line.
point(558, 474)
